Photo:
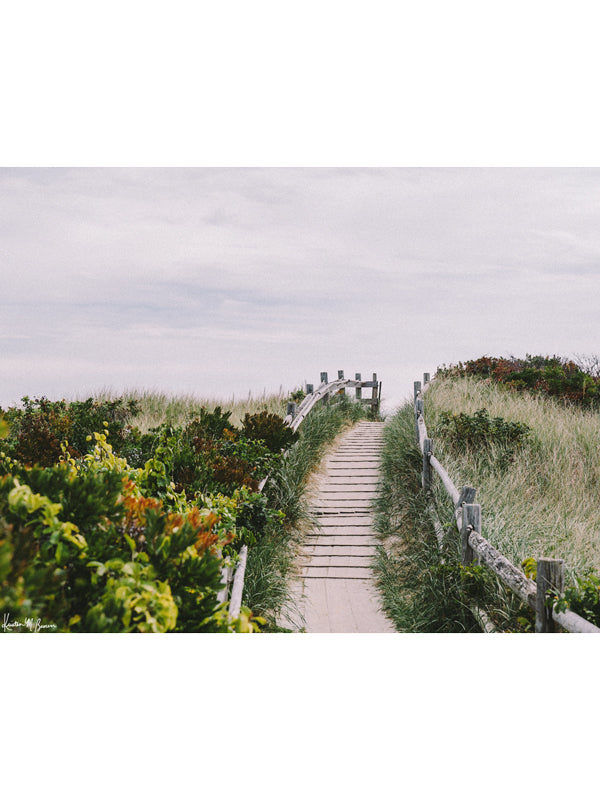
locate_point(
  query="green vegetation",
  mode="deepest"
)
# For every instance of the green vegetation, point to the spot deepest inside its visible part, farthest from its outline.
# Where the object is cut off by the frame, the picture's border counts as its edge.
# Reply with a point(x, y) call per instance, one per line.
point(546, 503)
point(84, 547)
point(425, 589)
point(270, 563)
point(107, 526)
point(479, 430)
point(583, 598)
point(156, 408)
point(548, 376)
point(525, 433)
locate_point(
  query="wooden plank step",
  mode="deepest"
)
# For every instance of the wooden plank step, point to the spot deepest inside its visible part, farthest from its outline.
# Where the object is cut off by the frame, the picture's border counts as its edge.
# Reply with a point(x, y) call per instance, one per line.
point(342, 540)
point(337, 510)
point(341, 498)
point(325, 515)
point(356, 449)
point(344, 472)
point(331, 534)
point(329, 504)
point(349, 480)
point(329, 492)
point(337, 560)
point(353, 459)
point(345, 499)
point(341, 550)
point(352, 573)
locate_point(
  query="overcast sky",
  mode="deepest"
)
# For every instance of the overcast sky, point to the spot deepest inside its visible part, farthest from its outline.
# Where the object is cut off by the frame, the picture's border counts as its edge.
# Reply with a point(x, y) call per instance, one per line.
point(224, 281)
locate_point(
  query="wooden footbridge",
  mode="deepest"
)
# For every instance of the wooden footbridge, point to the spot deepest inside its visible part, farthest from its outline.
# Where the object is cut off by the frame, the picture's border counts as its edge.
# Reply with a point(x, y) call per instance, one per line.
point(335, 590)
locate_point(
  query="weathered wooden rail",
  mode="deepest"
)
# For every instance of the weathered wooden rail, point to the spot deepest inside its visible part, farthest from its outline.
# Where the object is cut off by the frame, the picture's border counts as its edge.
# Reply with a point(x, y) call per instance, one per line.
point(550, 571)
point(296, 414)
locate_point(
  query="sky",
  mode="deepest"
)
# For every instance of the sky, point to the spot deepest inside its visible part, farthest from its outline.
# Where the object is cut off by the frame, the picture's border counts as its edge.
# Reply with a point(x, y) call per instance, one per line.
point(225, 281)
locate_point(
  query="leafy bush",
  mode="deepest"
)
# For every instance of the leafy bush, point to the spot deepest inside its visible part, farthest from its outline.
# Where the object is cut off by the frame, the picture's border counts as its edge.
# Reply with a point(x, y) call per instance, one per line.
point(213, 424)
point(481, 430)
point(297, 396)
point(583, 598)
point(549, 375)
point(120, 530)
point(38, 430)
point(270, 429)
point(83, 547)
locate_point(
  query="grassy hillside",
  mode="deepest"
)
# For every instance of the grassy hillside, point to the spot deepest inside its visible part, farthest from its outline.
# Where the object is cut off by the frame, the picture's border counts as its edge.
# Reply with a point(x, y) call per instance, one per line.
point(526, 435)
point(546, 500)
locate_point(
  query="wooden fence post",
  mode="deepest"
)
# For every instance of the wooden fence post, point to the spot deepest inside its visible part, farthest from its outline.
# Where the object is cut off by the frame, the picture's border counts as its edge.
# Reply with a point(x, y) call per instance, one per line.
point(417, 389)
point(471, 521)
point(325, 400)
point(358, 388)
point(417, 386)
point(550, 577)
point(466, 495)
point(340, 374)
point(291, 409)
point(425, 378)
point(418, 412)
point(375, 395)
point(427, 453)
point(309, 388)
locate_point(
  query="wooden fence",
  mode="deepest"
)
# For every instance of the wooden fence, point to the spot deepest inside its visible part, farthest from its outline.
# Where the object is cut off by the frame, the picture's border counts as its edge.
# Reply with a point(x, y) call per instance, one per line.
point(467, 513)
point(296, 414)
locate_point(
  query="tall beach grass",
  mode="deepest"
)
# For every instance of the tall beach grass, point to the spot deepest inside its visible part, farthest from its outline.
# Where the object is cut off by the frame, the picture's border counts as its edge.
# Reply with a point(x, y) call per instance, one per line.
point(546, 502)
point(158, 407)
point(424, 588)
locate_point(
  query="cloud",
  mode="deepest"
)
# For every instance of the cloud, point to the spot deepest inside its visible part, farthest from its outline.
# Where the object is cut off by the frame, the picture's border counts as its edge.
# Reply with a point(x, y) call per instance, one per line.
point(271, 275)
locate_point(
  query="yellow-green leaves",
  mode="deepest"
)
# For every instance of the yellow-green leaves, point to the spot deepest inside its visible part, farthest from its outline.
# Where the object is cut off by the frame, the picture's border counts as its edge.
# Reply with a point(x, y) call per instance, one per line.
point(530, 568)
point(27, 504)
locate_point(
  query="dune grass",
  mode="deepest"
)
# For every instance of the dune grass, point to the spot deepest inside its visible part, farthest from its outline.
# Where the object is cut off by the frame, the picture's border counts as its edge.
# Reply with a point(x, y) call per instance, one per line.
point(425, 589)
point(546, 501)
point(158, 407)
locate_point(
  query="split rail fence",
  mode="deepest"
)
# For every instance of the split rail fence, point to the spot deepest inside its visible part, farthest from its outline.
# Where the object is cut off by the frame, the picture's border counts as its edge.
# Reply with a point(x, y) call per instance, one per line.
point(467, 514)
point(296, 414)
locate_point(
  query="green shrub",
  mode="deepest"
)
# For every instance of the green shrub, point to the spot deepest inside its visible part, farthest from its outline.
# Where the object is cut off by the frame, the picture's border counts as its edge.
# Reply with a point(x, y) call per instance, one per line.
point(270, 429)
point(480, 430)
point(212, 424)
point(583, 598)
point(38, 430)
point(547, 375)
point(94, 554)
point(124, 531)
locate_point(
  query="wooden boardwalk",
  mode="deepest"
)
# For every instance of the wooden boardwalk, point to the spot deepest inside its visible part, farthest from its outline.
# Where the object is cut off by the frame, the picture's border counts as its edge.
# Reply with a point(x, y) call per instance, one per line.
point(335, 592)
